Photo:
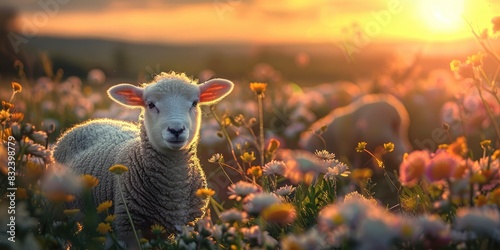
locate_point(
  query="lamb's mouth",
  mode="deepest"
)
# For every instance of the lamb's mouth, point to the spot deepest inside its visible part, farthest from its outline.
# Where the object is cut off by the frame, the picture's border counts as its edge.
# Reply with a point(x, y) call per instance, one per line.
point(176, 141)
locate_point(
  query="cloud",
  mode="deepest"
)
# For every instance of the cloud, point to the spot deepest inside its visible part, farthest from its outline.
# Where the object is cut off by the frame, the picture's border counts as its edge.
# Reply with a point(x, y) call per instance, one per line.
point(275, 8)
point(98, 5)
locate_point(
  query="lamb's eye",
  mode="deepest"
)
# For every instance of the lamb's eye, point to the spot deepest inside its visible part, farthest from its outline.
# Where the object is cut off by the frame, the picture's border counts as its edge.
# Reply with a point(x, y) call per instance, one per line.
point(195, 104)
point(151, 105)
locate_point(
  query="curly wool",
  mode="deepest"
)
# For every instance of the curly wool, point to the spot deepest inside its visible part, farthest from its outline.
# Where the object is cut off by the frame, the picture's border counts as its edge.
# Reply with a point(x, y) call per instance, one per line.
point(159, 187)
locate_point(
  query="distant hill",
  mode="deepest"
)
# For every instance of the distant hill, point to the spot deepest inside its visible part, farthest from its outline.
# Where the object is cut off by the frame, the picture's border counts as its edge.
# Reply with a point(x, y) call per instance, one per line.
point(325, 62)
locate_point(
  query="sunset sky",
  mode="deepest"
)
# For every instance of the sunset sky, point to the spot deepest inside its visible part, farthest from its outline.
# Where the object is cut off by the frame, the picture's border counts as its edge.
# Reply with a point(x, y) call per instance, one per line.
point(278, 21)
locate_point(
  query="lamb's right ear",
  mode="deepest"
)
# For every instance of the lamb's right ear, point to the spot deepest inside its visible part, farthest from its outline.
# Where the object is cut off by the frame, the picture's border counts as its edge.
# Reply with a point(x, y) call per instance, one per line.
point(127, 95)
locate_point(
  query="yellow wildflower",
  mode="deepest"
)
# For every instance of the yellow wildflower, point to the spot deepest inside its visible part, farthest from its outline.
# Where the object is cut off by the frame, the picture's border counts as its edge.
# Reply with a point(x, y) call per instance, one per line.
point(248, 157)
point(255, 171)
point(226, 122)
point(88, 181)
point(361, 146)
point(273, 145)
point(280, 213)
point(338, 219)
point(16, 117)
point(4, 115)
point(480, 200)
point(143, 240)
point(407, 230)
point(118, 169)
point(70, 212)
point(496, 154)
point(494, 197)
point(103, 228)
point(17, 87)
point(7, 105)
point(158, 229)
point(389, 147)
point(110, 218)
point(6, 133)
point(59, 196)
point(361, 174)
point(100, 239)
point(476, 59)
point(485, 143)
point(455, 65)
point(435, 190)
point(104, 206)
point(34, 171)
point(409, 204)
point(205, 193)
point(258, 87)
point(458, 147)
point(478, 178)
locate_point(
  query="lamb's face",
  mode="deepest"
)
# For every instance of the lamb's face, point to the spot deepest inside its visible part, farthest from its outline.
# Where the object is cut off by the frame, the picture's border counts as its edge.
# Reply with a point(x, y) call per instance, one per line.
point(170, 107)
point(172, 115)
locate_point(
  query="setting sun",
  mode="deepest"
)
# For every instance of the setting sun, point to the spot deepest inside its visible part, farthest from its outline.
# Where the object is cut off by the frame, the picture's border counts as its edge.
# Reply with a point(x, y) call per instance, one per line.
point(442, 15)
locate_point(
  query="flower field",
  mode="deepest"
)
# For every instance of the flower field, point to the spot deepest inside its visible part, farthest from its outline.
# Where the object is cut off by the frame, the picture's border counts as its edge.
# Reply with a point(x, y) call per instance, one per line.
point(372, 190)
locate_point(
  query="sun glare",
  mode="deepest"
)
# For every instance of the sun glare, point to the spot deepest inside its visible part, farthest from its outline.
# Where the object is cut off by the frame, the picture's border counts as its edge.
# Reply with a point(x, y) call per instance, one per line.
point(442, 15)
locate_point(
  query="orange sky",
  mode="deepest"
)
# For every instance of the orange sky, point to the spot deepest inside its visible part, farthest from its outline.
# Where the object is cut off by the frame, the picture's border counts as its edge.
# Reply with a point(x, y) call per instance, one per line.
point(193, 21)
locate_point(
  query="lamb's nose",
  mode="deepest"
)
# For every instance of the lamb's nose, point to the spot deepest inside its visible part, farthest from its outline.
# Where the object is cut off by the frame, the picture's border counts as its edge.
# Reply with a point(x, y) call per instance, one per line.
point(176, 132)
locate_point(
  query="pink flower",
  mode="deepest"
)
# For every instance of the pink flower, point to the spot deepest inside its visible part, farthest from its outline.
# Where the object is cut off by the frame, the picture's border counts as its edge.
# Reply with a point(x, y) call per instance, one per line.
point(441, 167)
point(413, 167)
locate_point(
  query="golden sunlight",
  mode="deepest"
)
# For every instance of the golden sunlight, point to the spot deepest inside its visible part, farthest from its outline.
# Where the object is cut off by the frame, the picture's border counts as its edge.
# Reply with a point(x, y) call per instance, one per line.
point(442, 15)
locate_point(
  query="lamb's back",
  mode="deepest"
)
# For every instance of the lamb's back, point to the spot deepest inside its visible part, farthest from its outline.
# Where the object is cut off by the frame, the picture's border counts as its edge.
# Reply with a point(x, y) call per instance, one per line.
point(93, 147)
point(94, 135)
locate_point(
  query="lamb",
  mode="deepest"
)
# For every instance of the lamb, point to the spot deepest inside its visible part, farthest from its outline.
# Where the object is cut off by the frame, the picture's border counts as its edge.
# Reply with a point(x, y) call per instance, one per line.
point(160, 152)
point(375, 119)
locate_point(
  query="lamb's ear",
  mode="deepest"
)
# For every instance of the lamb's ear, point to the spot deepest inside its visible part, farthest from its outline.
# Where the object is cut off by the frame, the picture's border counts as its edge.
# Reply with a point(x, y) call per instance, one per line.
point(214, 90)
point(127, 95)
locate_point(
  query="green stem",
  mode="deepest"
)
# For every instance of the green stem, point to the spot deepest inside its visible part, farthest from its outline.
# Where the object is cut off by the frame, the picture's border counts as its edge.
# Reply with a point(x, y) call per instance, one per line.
point(216, 206)
point(321, 139)
point(254, 137)
point(1, 132)
point(261, 129)
point(379, 162)
point(491, 83)
point(227, 138)
point(476, 36)
point(488, 110)
point(220, 165)
point(128, 213)
point(12, 96)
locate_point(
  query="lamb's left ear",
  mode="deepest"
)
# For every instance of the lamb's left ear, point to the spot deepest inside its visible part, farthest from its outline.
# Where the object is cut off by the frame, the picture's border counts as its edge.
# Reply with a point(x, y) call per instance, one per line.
point(214, 90)
point(127, 95)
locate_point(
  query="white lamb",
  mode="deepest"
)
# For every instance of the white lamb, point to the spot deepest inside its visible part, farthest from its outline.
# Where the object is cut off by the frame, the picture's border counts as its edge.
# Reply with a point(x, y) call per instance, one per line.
point(160, 152)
